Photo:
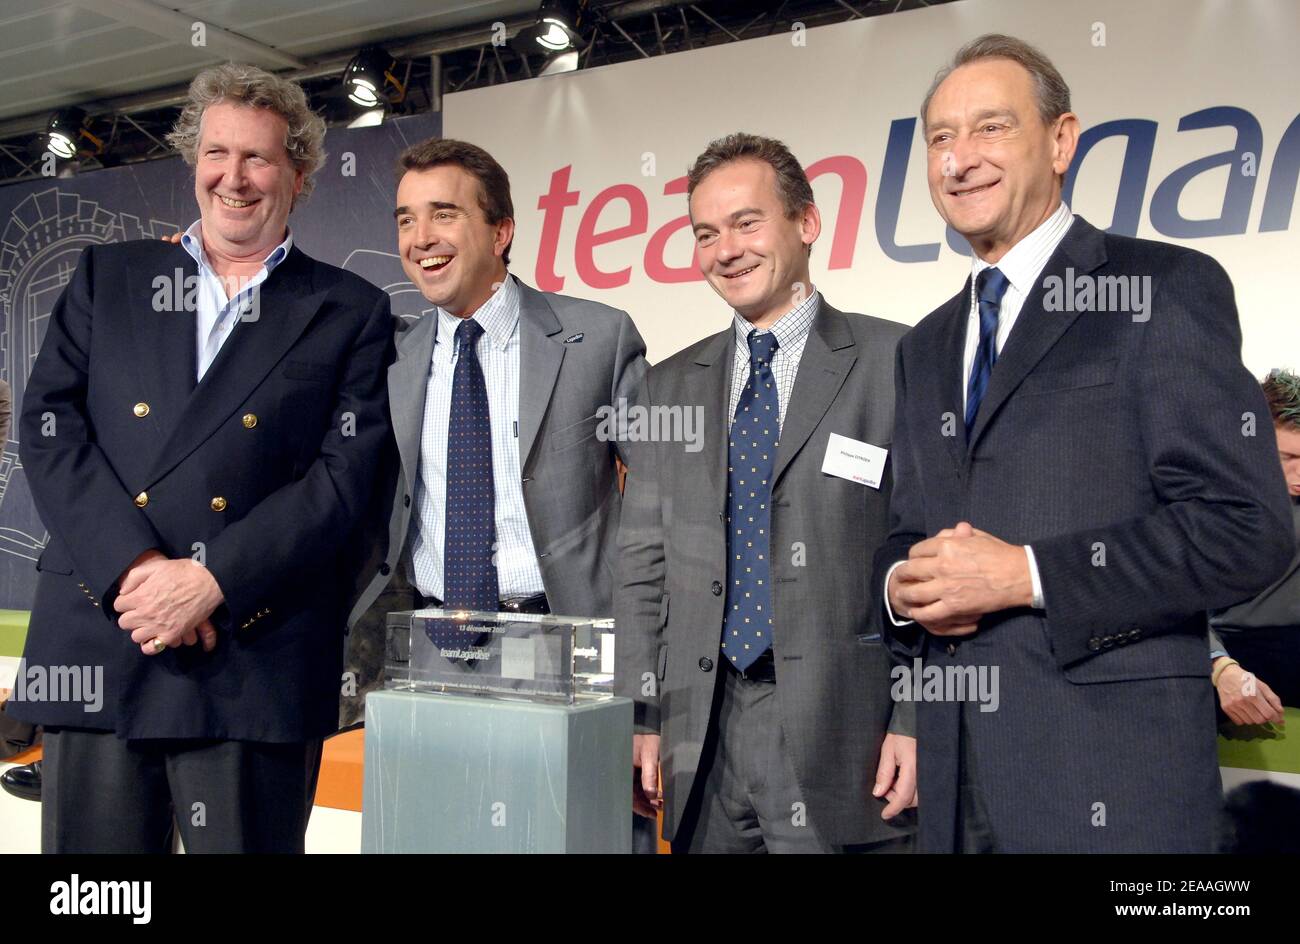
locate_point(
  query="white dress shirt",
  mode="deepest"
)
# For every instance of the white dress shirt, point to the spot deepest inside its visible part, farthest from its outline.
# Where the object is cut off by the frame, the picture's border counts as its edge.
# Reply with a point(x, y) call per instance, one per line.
point(217, 314)
point(791, 331)
point(518, 574)
point(1022, 265)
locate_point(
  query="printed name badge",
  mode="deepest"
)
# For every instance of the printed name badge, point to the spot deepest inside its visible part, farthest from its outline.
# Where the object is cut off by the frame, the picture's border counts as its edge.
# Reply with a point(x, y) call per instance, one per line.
point(853, 460)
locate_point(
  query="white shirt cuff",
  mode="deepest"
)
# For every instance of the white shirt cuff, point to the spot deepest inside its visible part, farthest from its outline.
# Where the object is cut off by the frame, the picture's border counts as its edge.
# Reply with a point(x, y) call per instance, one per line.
point(890, 610)
point(1034, 579)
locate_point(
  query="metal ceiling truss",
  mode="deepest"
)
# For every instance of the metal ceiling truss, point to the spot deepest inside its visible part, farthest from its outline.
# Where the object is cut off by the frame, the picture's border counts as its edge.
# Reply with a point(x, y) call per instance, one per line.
point(134, 126)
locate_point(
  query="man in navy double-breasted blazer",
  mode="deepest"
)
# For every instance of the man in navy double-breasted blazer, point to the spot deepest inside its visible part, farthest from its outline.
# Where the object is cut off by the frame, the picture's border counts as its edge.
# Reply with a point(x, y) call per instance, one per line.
point(200, 432)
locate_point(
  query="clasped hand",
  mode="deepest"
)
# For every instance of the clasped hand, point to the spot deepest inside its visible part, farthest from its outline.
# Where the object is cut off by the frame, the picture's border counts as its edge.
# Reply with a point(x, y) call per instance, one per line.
point(952, 579)
point(167, 600)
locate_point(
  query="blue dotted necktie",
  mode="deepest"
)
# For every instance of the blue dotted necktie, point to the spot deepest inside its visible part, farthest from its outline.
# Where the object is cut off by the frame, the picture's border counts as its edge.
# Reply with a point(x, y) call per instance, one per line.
point(990, 285)
point(470, 577)
point(751, 456)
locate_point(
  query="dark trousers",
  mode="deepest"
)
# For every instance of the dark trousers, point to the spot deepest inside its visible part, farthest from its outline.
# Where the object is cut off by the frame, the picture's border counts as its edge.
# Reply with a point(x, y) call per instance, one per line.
point(105, 794)
point(974, 834)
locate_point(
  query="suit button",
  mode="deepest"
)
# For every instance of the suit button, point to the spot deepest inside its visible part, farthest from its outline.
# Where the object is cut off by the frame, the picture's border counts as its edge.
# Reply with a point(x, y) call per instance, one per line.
point(141, 409)
point(716, 588)
point(952, 648)
point(384, 570)
point(142, 499)
point(218, 503)
point(706, 664)
point(406, 500)
point(1094, 644)
point(250, 420)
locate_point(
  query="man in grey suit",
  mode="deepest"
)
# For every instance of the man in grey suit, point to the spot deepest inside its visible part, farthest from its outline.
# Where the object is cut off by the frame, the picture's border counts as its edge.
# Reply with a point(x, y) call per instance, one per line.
point(1083, 467)
point(743, 601)
point(504, 494)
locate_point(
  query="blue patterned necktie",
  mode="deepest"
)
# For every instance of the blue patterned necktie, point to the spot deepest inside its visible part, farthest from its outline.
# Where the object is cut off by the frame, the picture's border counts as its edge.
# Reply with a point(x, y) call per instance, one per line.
point(751, 457)
point(469, 574)
point(990, 285)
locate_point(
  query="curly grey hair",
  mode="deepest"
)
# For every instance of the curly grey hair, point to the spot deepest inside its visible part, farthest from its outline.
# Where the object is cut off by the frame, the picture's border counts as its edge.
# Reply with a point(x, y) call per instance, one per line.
point(254, 88)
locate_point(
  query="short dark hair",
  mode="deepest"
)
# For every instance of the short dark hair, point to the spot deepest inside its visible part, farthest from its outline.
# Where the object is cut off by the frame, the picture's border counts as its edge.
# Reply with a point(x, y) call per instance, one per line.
point(1052, 93)
point(791, 181)
point(494, 183)
point(1282, 391)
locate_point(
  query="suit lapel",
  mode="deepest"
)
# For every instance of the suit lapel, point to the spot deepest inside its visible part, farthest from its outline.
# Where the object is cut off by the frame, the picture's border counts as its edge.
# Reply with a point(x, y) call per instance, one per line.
point(949, 390)
point(1083, 249)
point(287, 305)
point(540, 355)
point(408, 377)
point(828, 356)
point(709, 383)
point(164, 336)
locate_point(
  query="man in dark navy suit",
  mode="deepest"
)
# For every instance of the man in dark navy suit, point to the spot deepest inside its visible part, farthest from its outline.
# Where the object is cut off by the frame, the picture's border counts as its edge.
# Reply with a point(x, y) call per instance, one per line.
point(200, 432)
point(1082, 468)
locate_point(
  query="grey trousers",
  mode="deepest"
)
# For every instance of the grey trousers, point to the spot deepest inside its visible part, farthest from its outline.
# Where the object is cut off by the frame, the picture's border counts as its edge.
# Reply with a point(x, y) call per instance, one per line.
point(105, 794)
point(750, 799)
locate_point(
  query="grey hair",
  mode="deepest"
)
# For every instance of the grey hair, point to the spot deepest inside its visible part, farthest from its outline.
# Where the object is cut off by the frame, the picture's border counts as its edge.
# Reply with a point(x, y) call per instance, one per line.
point(252, 87)
point(1052, 92)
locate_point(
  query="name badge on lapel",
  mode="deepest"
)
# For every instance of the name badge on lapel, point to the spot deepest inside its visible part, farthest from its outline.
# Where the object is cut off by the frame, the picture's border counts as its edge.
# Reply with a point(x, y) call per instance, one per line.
point(856, 461)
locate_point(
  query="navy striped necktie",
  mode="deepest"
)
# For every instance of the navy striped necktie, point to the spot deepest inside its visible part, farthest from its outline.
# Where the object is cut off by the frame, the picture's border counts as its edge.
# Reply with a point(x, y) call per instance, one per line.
point(990, 285)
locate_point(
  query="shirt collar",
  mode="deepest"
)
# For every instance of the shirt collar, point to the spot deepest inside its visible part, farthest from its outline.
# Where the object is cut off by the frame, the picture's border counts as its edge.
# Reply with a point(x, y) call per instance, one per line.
point(192, 241)
point(790, 328)
point(1026, 259)
point(498, 316)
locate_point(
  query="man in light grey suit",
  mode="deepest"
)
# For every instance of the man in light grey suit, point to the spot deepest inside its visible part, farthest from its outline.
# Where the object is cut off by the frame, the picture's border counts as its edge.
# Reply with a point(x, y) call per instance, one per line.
point(742, 605)
point(503, 493)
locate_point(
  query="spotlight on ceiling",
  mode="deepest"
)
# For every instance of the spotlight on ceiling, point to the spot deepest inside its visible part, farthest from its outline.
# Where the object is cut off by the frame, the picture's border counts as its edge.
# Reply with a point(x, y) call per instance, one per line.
point(366, 76)
point(557, 25)
point(64, 132)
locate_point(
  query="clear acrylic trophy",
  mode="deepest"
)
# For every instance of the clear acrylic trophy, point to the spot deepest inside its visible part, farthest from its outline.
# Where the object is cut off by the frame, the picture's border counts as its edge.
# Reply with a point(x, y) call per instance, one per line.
point(552, 658)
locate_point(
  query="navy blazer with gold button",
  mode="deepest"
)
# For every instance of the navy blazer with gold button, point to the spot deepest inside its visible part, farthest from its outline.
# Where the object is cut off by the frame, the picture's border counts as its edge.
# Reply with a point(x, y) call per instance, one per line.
point(260, 471)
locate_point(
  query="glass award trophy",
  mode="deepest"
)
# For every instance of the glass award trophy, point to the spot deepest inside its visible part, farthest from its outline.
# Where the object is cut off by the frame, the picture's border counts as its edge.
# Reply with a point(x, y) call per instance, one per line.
point(552, 658)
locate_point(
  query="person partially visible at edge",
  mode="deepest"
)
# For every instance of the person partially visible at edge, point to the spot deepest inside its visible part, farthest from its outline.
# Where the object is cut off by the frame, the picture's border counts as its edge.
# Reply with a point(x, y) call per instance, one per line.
point(1264, 631)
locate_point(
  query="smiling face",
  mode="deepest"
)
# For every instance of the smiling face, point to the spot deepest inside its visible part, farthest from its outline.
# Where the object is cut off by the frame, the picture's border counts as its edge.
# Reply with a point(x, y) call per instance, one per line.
point(994, 166)
point(244, 181)
point(448, 248)
point(751, 252)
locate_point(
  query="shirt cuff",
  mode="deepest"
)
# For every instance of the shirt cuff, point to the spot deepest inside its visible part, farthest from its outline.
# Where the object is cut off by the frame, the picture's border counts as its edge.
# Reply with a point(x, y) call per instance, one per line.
point(890, 610)
point(1219, 654)
point(1034, 579)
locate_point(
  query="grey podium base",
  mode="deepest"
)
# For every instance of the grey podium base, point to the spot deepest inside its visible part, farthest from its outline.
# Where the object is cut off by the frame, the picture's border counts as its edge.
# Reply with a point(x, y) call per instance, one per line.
point(453, 773)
